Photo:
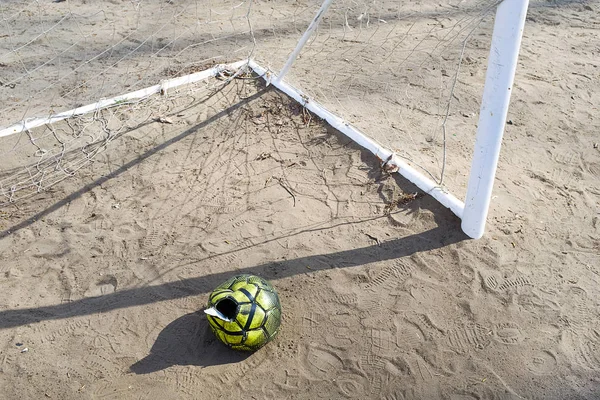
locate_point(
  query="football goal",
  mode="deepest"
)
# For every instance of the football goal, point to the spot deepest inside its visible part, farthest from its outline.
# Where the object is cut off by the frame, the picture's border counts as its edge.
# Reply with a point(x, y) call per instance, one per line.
point(425, 86)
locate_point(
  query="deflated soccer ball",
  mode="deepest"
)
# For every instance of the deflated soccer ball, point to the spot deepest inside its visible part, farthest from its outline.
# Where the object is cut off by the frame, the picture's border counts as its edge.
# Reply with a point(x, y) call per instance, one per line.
point(244, 312)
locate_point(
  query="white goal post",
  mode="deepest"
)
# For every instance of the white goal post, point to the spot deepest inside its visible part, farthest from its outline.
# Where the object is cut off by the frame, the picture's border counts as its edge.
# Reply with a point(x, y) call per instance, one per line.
point(502, 64)
point(502, 61)
point(500, 75)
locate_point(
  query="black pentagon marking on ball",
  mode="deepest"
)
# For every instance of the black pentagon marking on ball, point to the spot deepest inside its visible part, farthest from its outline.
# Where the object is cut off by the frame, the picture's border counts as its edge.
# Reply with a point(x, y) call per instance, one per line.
point(252, 312)
point(249, 320)
point(242, 330)
point(248, 295)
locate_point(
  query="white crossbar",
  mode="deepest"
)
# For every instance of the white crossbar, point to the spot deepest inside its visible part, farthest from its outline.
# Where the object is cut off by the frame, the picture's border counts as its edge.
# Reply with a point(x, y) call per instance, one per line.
point(106, 103)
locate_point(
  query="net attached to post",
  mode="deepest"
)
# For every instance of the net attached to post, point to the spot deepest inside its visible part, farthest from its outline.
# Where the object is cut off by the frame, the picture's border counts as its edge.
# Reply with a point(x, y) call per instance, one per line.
point(409, 75)
point(59, 56)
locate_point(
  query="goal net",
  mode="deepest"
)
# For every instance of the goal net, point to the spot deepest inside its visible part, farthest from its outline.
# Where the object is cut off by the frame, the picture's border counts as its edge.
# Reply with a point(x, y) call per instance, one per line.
point(408, 74)
point(76, 76)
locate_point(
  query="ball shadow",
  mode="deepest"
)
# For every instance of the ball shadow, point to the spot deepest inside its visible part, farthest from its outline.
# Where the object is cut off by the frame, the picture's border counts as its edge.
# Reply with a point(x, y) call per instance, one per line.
point(187, 341)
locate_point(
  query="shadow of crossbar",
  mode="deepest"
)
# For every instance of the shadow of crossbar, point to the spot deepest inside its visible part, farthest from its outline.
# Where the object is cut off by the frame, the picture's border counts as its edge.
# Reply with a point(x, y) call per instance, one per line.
point(440, 236)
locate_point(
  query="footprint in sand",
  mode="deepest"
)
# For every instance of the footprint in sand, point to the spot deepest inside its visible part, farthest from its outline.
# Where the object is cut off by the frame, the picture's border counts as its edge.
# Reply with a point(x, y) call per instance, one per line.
point(514, 282)
point(155, 388)
point(508, 333)
point(389, 277)
point(582, 348)
point(408, 335)
point(568, 157)
point(129, 231)
point(321, 363)
point(105, 285)
point(470, 336)
point(430, 329)
point(353, 386)
point(102, 366)
point(541, 363)
point(152, 242)
point(311, 322)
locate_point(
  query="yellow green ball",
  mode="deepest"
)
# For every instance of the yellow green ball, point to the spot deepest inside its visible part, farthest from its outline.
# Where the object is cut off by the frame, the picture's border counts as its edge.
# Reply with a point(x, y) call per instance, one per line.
point(244, 312)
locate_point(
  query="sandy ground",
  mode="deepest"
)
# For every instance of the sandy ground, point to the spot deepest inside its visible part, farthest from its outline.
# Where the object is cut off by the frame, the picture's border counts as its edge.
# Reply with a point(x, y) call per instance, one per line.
point(102, 275)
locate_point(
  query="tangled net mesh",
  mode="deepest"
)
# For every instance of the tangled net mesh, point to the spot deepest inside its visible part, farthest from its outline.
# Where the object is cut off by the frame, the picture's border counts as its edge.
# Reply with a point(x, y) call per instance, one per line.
point(393, 69)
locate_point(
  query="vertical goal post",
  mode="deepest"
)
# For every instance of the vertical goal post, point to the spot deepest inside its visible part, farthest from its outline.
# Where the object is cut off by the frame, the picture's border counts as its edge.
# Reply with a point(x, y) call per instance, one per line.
point(500, 75)
point(502, 61)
